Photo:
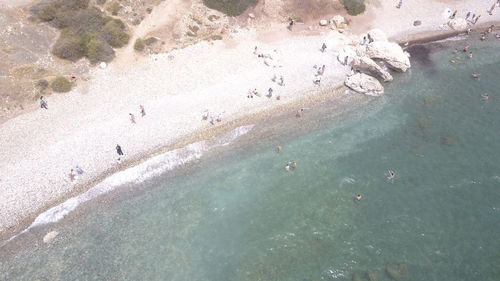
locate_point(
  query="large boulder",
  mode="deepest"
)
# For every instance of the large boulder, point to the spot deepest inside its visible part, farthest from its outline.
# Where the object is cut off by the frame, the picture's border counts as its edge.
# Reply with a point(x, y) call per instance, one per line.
point(364, 84)
point(338, 21)
point(369, 66)
point(376, 35)
point(458, 24)
point(389, 52)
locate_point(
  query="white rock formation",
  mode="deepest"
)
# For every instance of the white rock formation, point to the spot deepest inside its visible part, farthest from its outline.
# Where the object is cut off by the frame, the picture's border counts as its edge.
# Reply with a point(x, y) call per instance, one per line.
point(364, 84)
point(390, 53)
point(458, 24)
point(377, 35)
point(338, 21)
point(323, 22)
point(369, 66)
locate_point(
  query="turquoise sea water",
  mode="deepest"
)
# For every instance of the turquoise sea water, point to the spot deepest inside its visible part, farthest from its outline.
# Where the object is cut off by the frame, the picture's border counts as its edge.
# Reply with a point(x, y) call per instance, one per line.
point(239, 215)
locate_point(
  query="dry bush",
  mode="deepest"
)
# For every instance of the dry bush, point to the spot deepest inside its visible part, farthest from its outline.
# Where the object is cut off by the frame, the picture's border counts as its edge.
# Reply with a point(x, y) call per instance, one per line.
point(60, 85)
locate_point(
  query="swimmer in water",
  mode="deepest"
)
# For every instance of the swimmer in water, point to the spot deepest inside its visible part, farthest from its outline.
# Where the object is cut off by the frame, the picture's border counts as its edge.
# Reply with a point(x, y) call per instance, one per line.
point(475, 75)
point(279, 148)
point(470, 55)
point(287, 167)
point(485, 96)
point(466, 48)
point(358, 197)
point(391, 175)
point(294, 164)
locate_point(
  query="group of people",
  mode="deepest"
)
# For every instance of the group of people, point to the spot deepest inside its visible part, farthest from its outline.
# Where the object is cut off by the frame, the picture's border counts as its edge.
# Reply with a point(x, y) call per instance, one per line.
point(74, 173)
point(212, 117)
point(132, 116)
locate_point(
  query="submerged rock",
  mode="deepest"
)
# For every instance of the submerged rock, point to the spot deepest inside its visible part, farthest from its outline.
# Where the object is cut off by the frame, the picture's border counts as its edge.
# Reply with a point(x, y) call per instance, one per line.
point(369, 66)
point(50, 236)
point(396, 270)
point(373, 276)
point(390, 53)
point(357, 276)
point(364, 84)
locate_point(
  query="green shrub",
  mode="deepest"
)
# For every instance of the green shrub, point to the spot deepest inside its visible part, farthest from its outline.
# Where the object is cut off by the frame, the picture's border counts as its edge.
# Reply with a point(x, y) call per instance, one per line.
point(114, 8)
point(114, 33)
point(354, 7)
point(139, 45)
point(85, 31)
point(61, 85)
point(47, 12)
point(97, 51)
point(68, 47)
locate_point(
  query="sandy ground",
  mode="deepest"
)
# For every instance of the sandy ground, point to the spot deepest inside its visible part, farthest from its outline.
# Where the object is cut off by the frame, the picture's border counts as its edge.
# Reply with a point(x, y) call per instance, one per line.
point(39, 148)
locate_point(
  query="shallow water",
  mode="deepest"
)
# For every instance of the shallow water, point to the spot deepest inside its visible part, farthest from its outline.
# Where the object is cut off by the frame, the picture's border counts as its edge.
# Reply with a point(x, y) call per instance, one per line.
point(238, 215)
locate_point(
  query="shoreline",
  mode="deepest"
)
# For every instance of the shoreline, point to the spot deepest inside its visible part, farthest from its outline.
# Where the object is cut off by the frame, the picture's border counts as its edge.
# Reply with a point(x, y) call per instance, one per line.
point(208, 133)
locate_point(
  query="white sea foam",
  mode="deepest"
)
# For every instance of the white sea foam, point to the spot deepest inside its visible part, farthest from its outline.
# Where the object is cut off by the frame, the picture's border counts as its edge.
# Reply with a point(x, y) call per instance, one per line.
point(146, 170)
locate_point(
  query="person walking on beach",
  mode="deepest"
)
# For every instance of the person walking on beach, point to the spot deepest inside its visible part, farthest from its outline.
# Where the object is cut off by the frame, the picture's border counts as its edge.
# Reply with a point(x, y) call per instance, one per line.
point(43, 103)
point(132, 118)
point(323, 48)
point(119, 150)
point(477, 18)
point(143, 111)
point(270, 93)
point(282, 81)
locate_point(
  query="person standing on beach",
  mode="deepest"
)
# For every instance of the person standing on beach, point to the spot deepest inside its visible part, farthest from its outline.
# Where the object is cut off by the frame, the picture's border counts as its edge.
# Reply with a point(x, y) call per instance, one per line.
point(119, 150)
point(323, 48)
point(143, 111)
point(290, 25)
point(282, 81)
point(43, 103)
point(132, 118)
point(468, 15)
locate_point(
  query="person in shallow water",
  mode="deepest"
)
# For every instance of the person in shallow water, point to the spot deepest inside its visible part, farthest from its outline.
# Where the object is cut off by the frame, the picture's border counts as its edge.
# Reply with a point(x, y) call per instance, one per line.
point(287, 167)
point(358, 197)
point(391, 175)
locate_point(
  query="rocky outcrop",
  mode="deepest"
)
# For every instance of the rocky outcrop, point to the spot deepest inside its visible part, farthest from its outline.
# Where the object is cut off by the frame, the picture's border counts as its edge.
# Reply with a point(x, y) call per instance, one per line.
point(364, 84)
point(458, 24)
point(376, 35)
point(369, 66)
point(390, 53)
